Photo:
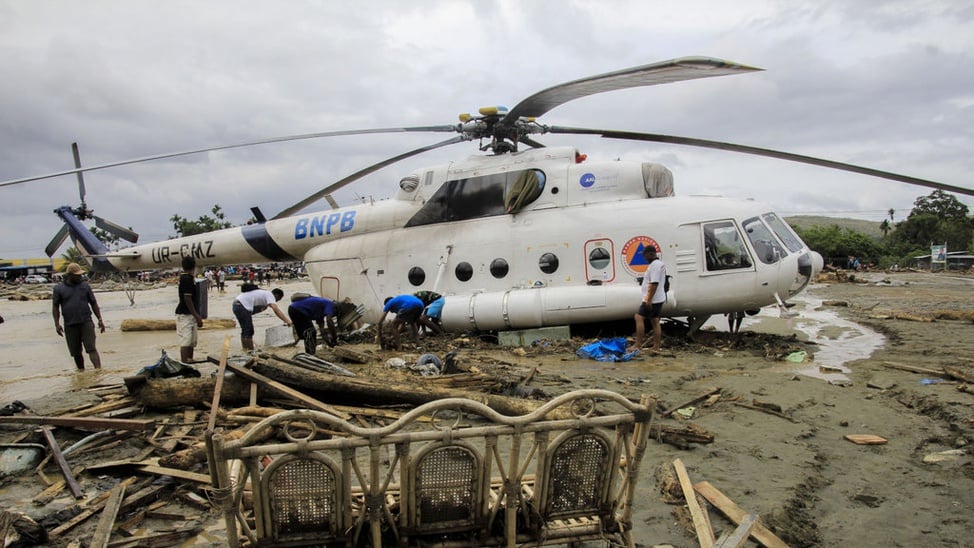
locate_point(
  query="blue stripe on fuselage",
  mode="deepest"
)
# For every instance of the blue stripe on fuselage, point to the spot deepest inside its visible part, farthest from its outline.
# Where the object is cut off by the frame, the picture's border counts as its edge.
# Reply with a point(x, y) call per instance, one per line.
point(256, 235)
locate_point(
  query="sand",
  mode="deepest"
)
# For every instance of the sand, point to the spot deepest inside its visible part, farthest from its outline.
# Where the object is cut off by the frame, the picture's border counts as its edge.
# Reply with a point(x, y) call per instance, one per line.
point(809, 484)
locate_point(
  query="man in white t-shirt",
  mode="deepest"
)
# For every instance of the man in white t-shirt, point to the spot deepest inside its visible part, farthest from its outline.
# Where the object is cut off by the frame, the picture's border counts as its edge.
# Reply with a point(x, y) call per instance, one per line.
point(654, 295)
point(252, 302)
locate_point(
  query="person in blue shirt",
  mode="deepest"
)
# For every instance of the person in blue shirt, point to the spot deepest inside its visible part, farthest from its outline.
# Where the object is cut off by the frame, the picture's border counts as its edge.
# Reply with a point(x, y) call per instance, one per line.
point(408, 310)
point(318, 310)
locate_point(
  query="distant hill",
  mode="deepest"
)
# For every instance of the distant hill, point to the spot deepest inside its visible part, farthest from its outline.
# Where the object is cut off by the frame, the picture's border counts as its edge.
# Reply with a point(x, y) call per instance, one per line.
point(869, 228)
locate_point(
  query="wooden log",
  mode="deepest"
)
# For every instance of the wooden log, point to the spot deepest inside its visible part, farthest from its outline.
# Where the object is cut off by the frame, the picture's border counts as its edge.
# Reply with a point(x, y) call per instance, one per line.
point(196, 453)
point(966, 388)
point(737, 515)
point(387, 390)
point(178, 392)
point(170, 325)
point(84, 423)
point(959, 374)
point(282, 389)
point(914, 369)
point(104, 528)
point(705, 535)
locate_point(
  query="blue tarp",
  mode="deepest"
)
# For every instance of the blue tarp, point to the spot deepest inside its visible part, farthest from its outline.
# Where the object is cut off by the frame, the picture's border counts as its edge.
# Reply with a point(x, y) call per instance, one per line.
point(606, 350)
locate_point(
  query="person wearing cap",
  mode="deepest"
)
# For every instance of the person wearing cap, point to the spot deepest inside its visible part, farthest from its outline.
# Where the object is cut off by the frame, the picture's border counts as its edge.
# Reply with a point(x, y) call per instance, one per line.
point(74, 299)
point(654, 295)
point(188, 318)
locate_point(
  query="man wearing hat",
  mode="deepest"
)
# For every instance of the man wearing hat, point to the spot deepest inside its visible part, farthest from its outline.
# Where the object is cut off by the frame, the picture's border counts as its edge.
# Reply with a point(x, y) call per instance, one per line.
point(74, 299)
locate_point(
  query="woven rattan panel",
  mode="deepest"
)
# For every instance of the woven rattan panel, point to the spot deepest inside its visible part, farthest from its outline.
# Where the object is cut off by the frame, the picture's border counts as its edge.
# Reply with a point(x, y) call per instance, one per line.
point(302, 497)
point(445, 486)
point(577, 471)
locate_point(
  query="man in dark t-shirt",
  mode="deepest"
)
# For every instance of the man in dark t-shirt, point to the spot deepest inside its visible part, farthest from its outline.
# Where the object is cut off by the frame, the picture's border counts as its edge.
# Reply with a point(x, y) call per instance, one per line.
point(188, 318)
point(74, 299)
point(313, 309)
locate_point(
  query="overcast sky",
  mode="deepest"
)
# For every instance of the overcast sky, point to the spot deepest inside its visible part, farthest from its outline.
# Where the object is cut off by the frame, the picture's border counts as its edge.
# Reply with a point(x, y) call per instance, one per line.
point(887, 84)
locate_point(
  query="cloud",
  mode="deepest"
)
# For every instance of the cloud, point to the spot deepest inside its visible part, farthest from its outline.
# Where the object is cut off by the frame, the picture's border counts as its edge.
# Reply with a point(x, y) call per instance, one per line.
point(878, 83)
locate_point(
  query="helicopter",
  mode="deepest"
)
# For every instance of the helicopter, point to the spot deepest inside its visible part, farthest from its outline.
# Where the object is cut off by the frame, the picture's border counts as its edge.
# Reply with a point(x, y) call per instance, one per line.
point(520, 235)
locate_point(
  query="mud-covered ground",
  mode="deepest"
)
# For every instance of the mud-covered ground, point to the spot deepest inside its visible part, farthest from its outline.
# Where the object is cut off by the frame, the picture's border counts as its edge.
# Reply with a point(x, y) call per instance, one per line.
point(809, 485)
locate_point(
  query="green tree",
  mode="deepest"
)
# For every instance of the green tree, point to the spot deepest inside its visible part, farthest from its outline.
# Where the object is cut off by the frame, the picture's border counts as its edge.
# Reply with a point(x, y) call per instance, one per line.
point(205, 223)
point(835, 243)
point(72, 255)
point(937, 218)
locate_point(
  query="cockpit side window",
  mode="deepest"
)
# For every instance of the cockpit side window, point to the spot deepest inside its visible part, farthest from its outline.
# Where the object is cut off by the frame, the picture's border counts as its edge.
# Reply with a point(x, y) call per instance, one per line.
point(482, 196)
point(767, 248)
point(723, 247)
point(784, 232)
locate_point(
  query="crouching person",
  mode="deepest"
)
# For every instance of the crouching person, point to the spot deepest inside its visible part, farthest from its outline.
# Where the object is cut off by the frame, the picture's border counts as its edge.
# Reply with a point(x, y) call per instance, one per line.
point(318, 310)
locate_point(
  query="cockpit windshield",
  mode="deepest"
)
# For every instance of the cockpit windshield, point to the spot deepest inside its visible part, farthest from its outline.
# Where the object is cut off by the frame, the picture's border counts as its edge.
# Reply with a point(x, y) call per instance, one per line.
point(765, 245)
point(784, 232)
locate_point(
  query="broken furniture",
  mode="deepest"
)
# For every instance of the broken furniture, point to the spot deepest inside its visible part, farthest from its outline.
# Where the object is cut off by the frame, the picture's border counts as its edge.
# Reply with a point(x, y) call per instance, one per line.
point(459, 477)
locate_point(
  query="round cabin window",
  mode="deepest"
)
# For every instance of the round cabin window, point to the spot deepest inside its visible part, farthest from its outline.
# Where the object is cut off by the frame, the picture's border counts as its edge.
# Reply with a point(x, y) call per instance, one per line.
point(417, 276)
point(499, 268)
point(464, 272)
point(599, 258)
point(548, 263)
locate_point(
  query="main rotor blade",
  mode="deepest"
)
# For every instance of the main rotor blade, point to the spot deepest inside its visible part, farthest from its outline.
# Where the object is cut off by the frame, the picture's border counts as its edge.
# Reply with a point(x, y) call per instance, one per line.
point(719, 145)
point(115, 229)
point(433, 129)
point(56, 241)
point(664, 72)
point(362, 173)
point(81, 177)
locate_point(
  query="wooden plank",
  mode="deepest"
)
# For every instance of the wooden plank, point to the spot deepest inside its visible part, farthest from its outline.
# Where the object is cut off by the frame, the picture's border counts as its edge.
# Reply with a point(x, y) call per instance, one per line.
point(285, 390)
point(705, 535)
point(48, 494)
point(119, 403)
point(62, 463)
point(738, 537)
point(179, 432)
point(94, 423)
point(736, 514)
point(214, 408)
point(178, 474)
point(865, 439)
point(107, 520)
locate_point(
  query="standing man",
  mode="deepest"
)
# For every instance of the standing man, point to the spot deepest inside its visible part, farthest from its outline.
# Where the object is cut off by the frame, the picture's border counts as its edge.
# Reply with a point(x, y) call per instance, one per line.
point(408, 309)
point(253, 302)
point(654, 295)
point(76, 301)
point(313, 309)
point(188, 318)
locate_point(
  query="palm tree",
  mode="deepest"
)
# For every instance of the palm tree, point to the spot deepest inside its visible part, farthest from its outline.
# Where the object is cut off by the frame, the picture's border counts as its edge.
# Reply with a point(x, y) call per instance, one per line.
point(72, 255)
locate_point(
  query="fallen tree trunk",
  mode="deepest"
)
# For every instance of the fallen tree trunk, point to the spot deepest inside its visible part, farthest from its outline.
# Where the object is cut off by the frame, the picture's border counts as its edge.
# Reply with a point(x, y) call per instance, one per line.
point(185, 459)
point(176, 392)
point(389, 389)
point(170, 325)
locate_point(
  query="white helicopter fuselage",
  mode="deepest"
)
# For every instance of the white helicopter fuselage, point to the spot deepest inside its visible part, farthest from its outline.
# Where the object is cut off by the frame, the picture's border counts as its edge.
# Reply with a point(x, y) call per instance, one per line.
point(570, 253)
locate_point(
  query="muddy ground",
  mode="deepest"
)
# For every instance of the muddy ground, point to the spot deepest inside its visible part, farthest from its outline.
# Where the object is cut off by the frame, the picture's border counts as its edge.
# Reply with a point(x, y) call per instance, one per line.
point(810, 486)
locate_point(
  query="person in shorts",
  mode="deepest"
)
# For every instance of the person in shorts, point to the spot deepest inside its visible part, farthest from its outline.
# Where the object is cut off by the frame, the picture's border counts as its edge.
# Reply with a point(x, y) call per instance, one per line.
point(651, 306)
point(188, 318)
point(248, 303)
point(75, 301)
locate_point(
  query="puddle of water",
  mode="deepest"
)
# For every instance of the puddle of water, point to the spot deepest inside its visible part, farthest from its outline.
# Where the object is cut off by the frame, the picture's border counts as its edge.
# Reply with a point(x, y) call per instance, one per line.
point(839, 341)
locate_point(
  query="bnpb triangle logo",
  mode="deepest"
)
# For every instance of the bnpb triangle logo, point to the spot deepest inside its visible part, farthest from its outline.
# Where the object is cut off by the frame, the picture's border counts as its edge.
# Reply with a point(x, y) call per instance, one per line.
point(632, 254)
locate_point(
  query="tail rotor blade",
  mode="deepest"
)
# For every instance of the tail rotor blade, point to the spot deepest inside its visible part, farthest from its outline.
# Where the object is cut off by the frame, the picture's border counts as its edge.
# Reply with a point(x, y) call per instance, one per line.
point(116, 229)
point(56, 241)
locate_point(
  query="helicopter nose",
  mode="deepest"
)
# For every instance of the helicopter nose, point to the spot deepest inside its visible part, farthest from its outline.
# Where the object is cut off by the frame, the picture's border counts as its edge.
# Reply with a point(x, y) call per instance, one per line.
point(818, 263)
